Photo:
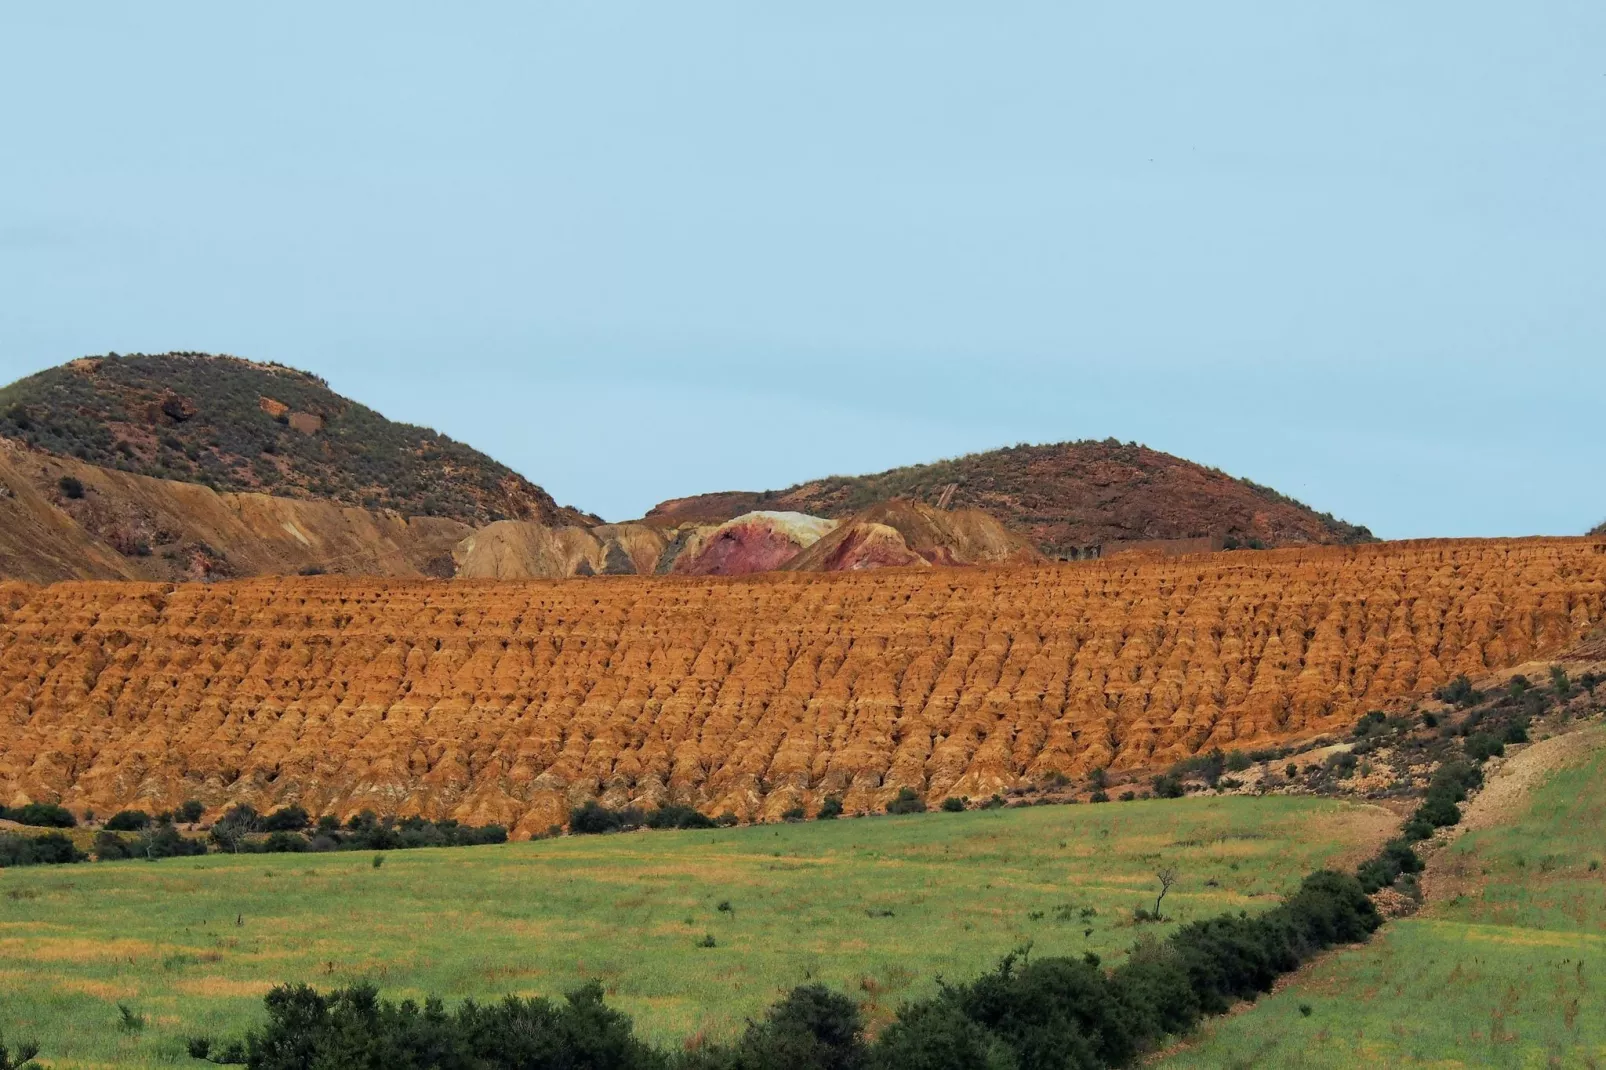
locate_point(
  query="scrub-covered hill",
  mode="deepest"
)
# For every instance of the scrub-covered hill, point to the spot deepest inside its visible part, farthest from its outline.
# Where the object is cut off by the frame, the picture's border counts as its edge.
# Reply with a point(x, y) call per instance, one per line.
point(238, 426)
point(1064, 497)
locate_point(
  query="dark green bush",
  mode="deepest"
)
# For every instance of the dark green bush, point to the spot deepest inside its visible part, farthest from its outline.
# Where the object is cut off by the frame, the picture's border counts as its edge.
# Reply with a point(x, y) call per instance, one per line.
point(1560, 684)
point(1483, 745)
point(811, 1028)
point(354, 1028)
point(283, 842)
point(45, 849)
point(953, 805)
point(163, 842)
point(1458, 692)
point(287, 819)
point(189, 811)
point(830, 809)
point(128, 821)
point(1343, 763)
point(673, 816)
point(593, 818)
point(1207, 767)
point(1169, 786)
point(229, 832)
point(40, 815)
point(71, 487)
point(1383, 869)
point(907, 802)
point(110, 847)
point(21, 1059)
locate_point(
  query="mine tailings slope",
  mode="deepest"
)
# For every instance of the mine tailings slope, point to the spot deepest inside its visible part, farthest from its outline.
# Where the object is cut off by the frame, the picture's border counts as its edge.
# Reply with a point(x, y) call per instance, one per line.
point(509, 702)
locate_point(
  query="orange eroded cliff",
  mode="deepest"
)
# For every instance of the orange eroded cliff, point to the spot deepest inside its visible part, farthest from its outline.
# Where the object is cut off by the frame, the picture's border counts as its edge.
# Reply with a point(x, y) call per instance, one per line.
point(509, 701)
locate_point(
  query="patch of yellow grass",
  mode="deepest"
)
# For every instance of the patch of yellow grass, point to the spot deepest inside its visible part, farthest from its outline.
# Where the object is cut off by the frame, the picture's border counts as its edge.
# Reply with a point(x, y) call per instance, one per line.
point(1512, 936)
point(222, 986)
point(54, 949)
point(99, 989)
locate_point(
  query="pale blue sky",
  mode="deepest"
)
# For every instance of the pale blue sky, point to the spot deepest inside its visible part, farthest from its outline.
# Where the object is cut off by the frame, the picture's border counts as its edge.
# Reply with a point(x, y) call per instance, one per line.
point(1354, 251)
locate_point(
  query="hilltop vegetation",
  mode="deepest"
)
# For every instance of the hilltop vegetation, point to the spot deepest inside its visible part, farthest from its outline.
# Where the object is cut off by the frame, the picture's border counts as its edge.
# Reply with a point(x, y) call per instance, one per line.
point(1065, 497)
point(235, 425)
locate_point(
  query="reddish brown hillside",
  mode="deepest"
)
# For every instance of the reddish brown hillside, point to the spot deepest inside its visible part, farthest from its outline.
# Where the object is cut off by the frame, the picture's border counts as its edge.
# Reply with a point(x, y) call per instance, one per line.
point(509, 702)
point(1064, 497)
point(237, 426)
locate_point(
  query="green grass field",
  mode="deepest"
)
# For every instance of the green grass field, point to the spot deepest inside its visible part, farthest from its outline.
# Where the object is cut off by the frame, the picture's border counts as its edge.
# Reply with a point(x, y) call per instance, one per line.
point(876, 907)
point(1511, 972)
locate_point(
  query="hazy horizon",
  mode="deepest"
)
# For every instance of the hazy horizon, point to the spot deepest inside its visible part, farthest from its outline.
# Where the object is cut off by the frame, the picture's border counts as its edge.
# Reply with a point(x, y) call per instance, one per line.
point(638, 253)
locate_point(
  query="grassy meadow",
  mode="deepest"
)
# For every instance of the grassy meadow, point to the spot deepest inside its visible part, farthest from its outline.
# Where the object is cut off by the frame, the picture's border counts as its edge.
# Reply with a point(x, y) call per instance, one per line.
point(876, 907)
point(1510, 971)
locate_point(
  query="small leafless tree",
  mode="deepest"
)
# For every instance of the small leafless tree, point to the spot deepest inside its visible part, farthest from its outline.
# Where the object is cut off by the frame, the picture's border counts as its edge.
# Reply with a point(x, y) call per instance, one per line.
point(1167, 877)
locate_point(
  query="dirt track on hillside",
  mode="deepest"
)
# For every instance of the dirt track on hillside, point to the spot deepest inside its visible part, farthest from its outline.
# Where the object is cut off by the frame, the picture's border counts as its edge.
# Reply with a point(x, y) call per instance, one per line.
point(1508, 783)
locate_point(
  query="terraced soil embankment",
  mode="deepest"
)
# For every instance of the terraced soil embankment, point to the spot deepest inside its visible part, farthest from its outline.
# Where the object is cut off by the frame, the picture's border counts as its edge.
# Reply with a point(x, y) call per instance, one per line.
point(510, 702)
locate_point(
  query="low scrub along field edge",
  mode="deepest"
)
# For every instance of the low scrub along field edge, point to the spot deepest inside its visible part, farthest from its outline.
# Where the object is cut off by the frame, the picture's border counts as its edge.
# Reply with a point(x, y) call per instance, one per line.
point(1503, 967)
point(689, 933)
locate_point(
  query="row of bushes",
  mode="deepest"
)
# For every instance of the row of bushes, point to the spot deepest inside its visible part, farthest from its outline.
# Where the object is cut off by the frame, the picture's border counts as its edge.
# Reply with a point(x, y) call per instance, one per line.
point(1052, 1012)
point(1440, 808)
point(291, 829)
point(592, 818)
point(40, 815)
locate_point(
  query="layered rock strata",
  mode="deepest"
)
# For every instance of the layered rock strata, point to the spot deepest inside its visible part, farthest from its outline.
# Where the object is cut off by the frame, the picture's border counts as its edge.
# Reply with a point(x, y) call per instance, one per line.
point(508, 702)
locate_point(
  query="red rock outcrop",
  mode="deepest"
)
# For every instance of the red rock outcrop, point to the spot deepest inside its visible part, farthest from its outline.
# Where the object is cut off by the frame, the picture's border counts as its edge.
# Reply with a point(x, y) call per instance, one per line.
point(753, 542)
point(510, 701)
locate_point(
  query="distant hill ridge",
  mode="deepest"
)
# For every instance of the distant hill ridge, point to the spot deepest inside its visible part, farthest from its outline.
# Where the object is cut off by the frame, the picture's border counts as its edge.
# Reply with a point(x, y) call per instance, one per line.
point(1065, 497)
point(239, 426)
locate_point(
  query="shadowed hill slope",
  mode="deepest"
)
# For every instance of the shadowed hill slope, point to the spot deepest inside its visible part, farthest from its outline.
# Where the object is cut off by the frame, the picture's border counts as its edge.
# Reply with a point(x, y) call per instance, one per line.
point(511, 702)
point(117, 525)
point(1063, 497)
point(238, 426)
